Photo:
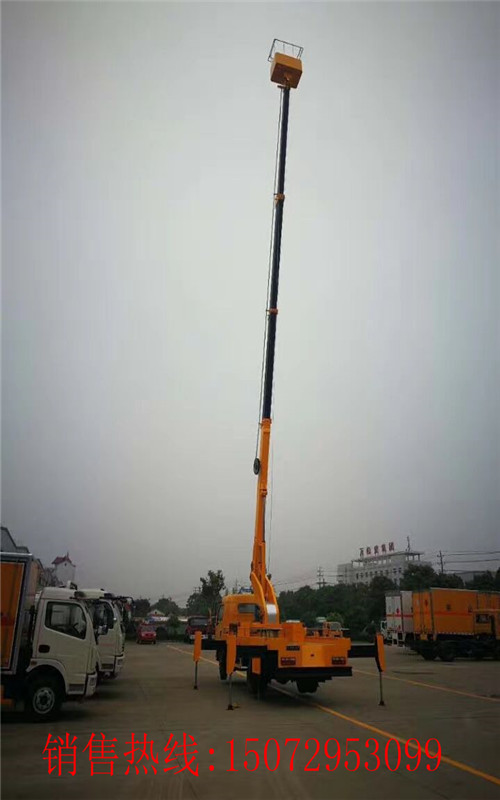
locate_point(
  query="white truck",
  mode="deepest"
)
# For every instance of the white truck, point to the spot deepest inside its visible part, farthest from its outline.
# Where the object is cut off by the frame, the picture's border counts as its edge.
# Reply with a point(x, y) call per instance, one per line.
point(111, 643)
point(49, 647)
point(399, 616)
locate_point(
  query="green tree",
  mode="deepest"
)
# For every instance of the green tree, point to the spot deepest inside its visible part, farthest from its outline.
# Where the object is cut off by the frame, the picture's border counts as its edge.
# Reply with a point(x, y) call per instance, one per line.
point(449, 581)
point(484, 581)
point(356, 619)
point(334, 616)
point(141, 607)
point(288, 606)
point(379, 585)
point(211, 589)
point(167, 606)
point(206, 599)
point(418, 576)
point(309, 619)
point(196, 604)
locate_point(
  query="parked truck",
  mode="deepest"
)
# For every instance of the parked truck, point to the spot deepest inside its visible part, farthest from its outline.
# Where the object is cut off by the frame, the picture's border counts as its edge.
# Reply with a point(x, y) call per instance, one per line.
point(445, 623)
point(106, 613)
point(198, 623)
point(456, 622)
point(49, 648)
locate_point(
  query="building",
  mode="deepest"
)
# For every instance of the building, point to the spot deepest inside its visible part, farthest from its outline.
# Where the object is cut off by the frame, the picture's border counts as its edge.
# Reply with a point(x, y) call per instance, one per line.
point(380, 560)
point(64, 569)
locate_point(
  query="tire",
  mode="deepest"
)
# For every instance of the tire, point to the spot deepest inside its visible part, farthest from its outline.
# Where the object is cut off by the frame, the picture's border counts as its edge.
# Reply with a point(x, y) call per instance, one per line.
point(307, 685)
point(447, 651)
point(428, 653)
point(44, 699)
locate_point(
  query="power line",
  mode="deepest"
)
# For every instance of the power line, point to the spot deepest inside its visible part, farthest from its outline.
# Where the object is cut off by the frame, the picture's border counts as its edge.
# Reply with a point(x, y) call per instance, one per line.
point(473, 561)
point(474, 553)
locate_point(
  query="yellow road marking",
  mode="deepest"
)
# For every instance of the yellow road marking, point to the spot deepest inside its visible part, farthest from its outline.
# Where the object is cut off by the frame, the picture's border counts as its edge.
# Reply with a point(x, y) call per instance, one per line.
point(438, 687)
point(452, 763)
point(457, 764)
point(189, 652)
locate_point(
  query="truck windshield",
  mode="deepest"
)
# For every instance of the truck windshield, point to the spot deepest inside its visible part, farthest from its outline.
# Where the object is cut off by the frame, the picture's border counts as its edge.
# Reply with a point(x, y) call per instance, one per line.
point(198, 622)
point(67, 618)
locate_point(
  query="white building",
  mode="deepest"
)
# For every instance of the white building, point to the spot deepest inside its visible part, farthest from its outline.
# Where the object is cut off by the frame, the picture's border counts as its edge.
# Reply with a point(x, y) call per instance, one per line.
point(377, 561)
point(64, 569)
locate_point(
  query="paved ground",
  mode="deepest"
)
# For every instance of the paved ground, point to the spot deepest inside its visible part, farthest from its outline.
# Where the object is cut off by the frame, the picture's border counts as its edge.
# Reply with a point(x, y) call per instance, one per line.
point(458, 704)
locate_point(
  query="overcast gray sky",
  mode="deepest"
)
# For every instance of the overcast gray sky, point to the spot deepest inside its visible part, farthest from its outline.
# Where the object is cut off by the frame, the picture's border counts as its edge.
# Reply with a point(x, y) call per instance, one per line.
point(138, 158)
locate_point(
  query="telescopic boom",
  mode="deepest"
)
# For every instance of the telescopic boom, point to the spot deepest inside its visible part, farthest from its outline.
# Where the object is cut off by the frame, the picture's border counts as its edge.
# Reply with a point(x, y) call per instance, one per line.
point(286, 72)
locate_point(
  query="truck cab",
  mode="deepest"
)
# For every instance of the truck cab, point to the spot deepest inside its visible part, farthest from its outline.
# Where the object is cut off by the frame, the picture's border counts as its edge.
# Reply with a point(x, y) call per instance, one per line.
point(197, 622)
point(64, 644)
point(486, 625)
point(111, 641)
point(49, 649)
point(236, 610)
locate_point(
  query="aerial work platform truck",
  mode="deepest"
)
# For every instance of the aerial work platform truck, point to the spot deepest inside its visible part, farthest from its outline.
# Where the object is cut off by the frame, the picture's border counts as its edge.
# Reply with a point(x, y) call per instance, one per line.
point(249, 633)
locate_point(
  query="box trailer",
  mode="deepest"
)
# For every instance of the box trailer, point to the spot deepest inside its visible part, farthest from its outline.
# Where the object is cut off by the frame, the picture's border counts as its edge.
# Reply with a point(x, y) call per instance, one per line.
point(456, 622)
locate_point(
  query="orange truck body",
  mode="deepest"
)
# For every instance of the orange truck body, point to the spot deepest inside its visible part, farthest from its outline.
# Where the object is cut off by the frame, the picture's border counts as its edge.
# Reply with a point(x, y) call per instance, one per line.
point(446, 623)
point(18, 585)
point(444, 611)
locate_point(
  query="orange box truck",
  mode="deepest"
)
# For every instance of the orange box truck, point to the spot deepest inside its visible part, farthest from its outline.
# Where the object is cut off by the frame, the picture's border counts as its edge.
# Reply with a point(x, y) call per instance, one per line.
point(456, 622)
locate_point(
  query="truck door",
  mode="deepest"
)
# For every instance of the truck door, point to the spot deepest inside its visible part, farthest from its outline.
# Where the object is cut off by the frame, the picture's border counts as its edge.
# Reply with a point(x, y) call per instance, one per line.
point(63, 633)
point(107, 643)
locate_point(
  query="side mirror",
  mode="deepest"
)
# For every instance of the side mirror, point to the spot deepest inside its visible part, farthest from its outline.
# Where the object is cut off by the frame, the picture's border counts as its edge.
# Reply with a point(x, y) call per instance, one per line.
point(102, 630)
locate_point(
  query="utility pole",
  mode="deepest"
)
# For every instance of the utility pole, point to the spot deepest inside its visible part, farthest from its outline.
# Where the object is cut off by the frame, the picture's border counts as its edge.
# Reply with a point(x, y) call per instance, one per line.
point(441, 561)
point(321, 578)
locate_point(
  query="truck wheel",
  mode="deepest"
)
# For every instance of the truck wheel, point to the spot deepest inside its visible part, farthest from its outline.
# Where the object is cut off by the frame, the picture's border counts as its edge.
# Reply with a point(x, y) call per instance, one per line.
point(428, 653)
point(44, 699)
point(307, 685)
point(447, 651)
